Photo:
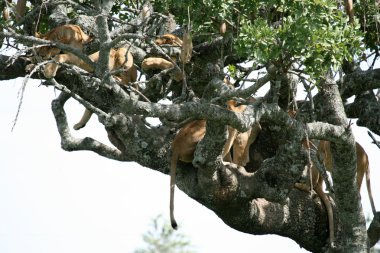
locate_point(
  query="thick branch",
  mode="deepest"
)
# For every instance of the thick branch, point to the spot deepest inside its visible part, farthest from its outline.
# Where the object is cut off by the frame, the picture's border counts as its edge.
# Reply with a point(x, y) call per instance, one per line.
point(64, 47)
point(367, 109)
point(59, 15)
point(360, 81)
point(69, 143)
point(326, 131)
point(374, 230)
point(13, 68)
point(352, 236)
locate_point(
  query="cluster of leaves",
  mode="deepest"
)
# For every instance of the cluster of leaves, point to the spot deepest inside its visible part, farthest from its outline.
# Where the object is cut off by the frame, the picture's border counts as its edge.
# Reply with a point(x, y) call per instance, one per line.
point(122, 9)
point(314, 34)
point(161, 238)
point(368, 13)
point(206, 15)
point(8, 15)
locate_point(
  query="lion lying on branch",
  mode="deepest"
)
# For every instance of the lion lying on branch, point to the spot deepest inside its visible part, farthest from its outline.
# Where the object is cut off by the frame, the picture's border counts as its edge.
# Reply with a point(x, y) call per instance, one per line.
point(119, 59)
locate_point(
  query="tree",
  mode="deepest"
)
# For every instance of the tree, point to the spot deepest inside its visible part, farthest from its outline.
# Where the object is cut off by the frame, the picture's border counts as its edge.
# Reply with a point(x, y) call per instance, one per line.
point(315, 44)
point(162, 238)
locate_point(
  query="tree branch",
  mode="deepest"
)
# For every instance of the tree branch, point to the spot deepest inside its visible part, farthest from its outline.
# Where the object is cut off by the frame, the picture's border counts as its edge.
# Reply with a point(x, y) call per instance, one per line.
point(360, 81)
point(64, 47)
point(367, 109)
point(350, 213)
point(69, 143)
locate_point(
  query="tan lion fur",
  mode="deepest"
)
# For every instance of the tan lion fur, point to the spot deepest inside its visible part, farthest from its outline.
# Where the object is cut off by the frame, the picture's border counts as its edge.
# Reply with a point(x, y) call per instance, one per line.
point(186, 140)
point(118, 58)
point(67, 34)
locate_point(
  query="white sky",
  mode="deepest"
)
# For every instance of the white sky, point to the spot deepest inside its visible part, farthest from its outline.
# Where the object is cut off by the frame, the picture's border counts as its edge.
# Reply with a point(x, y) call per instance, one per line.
point(58, 201)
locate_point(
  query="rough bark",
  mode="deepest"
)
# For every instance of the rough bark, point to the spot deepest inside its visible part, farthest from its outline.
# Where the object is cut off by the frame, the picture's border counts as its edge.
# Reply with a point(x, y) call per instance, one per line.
point(347, 200)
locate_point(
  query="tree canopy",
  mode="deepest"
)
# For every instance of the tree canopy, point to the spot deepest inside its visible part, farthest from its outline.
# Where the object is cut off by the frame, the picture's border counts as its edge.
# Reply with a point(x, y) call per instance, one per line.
point(315, 45)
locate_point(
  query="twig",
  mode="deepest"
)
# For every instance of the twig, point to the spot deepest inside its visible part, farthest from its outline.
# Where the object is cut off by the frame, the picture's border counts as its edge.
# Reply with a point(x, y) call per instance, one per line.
point(244, 92)
point(374, 140)
point(310, 96)
point(299, 73)
point(64, 47)
point(22, 91)
point(374, 60)
point(138, 92)
point(88, 105)
point(321, 168)
point(309, 162)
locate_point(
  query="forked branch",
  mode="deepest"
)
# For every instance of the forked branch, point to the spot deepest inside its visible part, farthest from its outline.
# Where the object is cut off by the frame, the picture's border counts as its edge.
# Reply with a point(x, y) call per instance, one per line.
point(70, 143)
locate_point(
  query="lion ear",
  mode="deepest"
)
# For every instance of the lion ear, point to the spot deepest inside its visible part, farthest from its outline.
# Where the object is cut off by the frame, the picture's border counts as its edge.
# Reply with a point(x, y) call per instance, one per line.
point(38, 35)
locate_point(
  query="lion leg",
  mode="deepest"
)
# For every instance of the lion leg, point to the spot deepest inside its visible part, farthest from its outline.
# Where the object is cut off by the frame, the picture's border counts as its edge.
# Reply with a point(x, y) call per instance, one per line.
point(248, 138)
point(239, 144)
point(83, 121)
point(232, 133)
point(50, 69)
point(326, 201)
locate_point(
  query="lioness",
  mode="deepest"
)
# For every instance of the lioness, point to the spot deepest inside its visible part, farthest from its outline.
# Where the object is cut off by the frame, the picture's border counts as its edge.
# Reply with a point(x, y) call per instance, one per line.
point(67, 34)
point(118, 58)
point(186, 140)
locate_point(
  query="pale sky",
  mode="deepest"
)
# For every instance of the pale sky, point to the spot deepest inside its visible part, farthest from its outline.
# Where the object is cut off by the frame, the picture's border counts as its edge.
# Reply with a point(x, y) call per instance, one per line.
point(74, 202)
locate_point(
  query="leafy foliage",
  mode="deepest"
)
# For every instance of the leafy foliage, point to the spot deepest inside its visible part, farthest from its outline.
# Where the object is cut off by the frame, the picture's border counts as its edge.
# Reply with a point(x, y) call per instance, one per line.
point(161, 238)
point(314, 34)
point(368, 13)
point(217, 11)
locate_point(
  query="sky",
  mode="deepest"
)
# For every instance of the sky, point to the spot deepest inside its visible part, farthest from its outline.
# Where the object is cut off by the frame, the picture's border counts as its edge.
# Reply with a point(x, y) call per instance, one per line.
point(58, 201)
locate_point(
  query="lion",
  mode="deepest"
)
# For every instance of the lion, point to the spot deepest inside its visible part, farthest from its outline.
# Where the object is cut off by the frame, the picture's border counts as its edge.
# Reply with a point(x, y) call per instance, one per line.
point(240, 142)
point(152, 63)
point(324, 154)
point(169, 39)
point(71, 35)
point(118, 58)
point(186, 140)
point(362, 166)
